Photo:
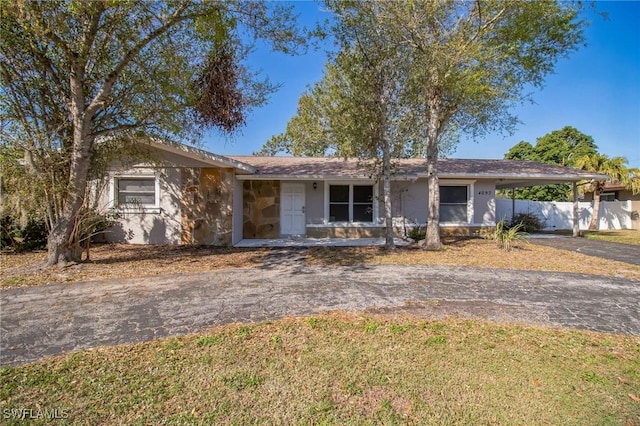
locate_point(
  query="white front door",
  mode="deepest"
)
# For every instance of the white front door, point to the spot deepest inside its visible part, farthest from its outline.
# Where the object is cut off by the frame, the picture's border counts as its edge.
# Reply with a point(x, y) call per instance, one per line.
point(292, 215)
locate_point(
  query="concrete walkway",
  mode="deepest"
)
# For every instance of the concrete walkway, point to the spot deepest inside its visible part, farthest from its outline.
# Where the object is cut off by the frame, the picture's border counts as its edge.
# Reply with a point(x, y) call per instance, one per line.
point(39, 321)
point(316, 242)
point(627, 253)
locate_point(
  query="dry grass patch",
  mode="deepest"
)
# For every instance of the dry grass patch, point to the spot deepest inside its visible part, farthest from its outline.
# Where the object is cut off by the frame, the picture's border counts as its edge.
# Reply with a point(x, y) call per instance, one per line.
point(111, 261)
point(343, 368)
point(479, 253)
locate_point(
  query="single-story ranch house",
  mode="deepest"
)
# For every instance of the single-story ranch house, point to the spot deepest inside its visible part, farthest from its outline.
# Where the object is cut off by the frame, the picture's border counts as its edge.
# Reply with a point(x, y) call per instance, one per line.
point(191, 196)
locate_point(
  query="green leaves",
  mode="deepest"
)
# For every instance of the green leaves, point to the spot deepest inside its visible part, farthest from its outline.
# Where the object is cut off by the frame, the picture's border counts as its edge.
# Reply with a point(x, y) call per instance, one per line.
point(561, 147)
point(73, 72)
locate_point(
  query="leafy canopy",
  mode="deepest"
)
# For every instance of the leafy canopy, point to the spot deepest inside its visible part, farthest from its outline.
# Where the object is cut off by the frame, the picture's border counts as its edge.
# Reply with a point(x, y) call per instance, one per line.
point(74, 72)
point(560, 147)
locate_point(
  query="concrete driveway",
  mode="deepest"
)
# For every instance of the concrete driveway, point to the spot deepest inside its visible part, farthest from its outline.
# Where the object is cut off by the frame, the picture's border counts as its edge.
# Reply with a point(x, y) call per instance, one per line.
point(53, 319)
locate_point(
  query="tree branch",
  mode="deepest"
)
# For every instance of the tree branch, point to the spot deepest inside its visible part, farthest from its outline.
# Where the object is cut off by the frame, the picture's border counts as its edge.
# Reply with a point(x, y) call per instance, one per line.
point(104, 92)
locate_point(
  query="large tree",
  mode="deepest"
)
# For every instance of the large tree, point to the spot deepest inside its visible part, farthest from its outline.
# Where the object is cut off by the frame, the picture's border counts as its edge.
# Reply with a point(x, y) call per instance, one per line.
point(471, 62)
point(355, 110)
point(618, 172)
point(468, 64)
point(560, 147)
point(351, 113)
point(74, 72)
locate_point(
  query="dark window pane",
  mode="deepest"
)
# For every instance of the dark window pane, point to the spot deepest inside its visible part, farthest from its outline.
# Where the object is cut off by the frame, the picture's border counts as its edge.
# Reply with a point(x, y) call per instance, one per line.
point(339, 193)
point(362, 194)
point(338, 212)
point(362, 213)
point(453, 213)
point(453, 194)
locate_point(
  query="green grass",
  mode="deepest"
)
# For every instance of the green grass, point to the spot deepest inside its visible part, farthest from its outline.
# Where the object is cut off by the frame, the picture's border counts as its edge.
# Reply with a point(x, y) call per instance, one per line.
point(341, 368)
point(626, 236)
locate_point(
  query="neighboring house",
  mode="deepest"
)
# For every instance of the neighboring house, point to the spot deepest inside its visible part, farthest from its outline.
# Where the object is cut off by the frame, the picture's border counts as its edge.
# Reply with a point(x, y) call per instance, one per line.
point(191, 196)
point(613, 191)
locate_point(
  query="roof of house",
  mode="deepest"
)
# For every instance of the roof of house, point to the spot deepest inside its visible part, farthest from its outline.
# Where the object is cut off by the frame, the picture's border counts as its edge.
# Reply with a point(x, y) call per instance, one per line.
point(508, 173)
point(201, 155)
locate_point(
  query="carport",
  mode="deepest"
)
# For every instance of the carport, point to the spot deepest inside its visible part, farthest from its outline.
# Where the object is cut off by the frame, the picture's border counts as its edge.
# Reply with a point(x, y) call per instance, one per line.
point(570, 176)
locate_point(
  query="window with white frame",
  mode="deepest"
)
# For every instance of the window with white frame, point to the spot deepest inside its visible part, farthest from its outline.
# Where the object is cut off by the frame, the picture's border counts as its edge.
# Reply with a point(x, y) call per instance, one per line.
point(608, 196)
point(453, 203)
point(136, 191)
point(350, 203)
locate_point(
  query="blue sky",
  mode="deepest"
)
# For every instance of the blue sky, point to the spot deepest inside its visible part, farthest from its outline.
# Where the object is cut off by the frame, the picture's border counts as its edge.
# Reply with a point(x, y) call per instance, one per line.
point(596, 90)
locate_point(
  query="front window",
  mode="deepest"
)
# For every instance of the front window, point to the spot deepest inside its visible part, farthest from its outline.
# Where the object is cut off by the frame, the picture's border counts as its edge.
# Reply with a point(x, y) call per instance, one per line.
point(339, 203)
point(136, 191)
point(608, 196)
point(453, 203)
point(350, 203)
point(362, 203)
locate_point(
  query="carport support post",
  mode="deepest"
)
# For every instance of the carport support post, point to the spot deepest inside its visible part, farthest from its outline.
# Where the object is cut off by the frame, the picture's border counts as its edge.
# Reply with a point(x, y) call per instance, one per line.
point(576, 230)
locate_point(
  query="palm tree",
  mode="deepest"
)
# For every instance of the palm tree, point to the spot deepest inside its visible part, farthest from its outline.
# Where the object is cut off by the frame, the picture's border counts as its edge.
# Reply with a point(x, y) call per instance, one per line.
point(617, 170)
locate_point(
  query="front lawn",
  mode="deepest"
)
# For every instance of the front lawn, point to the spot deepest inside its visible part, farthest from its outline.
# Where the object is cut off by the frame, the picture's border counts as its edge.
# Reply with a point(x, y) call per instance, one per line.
point(626, 236)
point(116, 261)
point(340, 369)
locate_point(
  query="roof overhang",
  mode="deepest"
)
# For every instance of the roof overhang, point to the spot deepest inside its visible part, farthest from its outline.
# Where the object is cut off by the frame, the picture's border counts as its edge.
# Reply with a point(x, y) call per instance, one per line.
point(304, 177)
point(506, 182)
point(204, 156)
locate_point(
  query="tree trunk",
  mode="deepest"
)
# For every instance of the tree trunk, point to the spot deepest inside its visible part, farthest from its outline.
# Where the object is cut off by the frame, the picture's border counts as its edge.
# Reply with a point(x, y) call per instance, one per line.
point(62, 246)
point(386, 185)
point(433, 218)
point(593, 225)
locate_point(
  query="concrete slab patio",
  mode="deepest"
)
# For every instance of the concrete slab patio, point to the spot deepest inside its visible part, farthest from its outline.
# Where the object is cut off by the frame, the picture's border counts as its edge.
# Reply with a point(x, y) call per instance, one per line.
point(40, 321)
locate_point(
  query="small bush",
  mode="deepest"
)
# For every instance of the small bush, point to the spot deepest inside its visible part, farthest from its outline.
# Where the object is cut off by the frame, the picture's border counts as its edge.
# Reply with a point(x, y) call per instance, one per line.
point(418, 233)
point(505, 236)
point(529, 222)
point(32, 237)
point(35, 235)
point(8, 232)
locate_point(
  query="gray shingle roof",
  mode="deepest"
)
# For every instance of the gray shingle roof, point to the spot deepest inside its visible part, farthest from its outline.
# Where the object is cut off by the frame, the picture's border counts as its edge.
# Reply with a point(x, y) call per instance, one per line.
point(336, 168)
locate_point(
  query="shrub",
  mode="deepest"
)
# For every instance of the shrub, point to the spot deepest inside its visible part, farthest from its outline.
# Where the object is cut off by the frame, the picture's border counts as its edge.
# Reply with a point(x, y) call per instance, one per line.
point(418, 233)
point(32, 237)
point(505, 236)
point(529, 222)
point(8, 232)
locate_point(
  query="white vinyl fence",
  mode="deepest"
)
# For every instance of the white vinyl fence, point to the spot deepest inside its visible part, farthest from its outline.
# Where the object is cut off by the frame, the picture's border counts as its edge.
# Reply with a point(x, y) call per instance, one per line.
point(559, 215)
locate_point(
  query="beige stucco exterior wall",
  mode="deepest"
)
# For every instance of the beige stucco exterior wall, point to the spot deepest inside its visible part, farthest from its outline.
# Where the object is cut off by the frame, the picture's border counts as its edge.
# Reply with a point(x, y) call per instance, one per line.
point(142, 225)
point(409, 200)
point(484, 203)
point(314, 202)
